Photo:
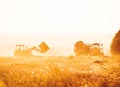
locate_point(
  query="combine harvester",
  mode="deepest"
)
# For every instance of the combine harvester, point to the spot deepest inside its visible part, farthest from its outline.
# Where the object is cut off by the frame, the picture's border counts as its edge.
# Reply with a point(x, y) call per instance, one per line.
point(81, 48)
point(22, 50)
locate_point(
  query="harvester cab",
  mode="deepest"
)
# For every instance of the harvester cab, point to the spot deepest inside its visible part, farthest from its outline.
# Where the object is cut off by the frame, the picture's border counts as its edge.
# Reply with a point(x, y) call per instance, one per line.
point(22, 50)
point(96, 49)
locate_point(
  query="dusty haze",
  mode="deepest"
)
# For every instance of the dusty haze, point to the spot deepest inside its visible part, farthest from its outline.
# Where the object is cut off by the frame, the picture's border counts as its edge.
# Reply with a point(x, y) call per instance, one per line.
point(61, 44)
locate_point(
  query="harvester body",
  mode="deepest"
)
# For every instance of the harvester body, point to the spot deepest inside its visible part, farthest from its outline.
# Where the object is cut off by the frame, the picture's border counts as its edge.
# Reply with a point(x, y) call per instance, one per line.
point(22, 50)
point(81, 48)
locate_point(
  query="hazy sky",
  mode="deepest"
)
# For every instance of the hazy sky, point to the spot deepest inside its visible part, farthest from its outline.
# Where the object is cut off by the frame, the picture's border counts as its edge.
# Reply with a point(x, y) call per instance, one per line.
point(68, 16)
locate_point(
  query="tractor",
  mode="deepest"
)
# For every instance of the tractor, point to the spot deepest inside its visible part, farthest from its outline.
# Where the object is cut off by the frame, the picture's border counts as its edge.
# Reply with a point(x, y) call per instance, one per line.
point(22, 50)
point(81, 48)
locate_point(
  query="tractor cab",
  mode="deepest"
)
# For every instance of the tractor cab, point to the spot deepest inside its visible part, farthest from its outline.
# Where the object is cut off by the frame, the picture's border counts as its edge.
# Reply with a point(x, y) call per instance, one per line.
point(20, 50)
point(96, 49)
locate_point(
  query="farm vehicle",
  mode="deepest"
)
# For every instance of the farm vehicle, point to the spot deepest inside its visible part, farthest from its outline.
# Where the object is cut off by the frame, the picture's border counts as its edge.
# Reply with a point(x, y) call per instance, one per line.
point(81, 48)
point(22, 50)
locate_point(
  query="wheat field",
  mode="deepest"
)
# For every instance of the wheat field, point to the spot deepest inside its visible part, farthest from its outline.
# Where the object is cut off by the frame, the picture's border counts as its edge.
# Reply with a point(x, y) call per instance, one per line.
point(62, 71)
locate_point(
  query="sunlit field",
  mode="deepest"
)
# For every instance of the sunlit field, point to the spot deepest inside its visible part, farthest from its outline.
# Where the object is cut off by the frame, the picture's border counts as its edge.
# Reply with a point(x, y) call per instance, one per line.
point(83, 71)
point(60, 43)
